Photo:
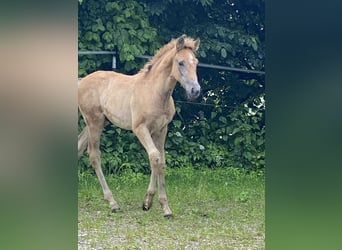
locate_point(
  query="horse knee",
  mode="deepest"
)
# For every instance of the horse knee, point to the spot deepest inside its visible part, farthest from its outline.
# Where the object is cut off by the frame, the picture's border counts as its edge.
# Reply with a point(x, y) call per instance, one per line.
point(155, 158)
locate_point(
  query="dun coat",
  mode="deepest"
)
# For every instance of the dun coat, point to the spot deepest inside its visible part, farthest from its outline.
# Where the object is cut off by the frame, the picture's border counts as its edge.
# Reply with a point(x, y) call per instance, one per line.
point(142, 103)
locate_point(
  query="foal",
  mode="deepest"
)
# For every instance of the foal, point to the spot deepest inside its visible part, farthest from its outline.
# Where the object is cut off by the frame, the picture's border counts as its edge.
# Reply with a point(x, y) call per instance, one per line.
point(142, 103)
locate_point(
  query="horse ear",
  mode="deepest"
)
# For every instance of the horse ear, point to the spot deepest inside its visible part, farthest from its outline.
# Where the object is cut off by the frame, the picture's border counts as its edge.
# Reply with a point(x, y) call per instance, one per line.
point(197, 44)
point(180, 43)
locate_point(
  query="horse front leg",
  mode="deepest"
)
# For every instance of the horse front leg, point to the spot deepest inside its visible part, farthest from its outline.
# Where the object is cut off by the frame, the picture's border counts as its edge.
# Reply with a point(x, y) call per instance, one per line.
point(159, 140)
point(157, 162)
point(148, 200)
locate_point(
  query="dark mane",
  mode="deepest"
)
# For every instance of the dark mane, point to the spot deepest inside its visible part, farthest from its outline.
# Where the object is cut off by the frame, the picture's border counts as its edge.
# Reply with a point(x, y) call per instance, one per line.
point(189, 43)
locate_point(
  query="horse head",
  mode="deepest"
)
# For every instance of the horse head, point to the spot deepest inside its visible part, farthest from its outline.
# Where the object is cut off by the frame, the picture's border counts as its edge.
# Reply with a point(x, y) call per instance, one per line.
point(184, 68)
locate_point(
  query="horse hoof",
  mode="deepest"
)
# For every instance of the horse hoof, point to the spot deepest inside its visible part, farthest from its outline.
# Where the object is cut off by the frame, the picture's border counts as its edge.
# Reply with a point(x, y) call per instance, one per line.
point(145, 208)
point(115, 209)
point(168, 216)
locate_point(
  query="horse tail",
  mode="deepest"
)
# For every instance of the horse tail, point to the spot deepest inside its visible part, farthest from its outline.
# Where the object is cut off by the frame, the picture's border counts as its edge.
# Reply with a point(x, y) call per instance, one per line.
point(82, 141)
point(83, 136)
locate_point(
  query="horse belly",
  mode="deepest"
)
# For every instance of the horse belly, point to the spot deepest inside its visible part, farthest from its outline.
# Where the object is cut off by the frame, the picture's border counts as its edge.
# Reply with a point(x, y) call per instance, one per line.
point(119, 119)
point(118, 111)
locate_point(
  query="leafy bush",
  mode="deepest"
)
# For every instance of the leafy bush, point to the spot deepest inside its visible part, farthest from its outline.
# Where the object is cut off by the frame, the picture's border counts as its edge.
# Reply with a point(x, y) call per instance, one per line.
point(234, 139)
point(227, 128)
point(120, 26)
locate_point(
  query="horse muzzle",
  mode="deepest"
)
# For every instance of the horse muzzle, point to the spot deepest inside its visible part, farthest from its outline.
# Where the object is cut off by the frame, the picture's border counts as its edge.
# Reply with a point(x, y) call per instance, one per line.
point(193, 90)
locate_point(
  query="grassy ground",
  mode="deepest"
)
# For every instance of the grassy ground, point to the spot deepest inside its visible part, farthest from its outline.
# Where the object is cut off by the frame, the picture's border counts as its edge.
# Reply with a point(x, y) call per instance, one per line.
point(213, 209)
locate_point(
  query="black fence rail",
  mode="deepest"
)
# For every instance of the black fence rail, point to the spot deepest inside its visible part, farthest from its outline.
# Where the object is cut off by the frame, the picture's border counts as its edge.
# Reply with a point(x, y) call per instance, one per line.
point(204, 65)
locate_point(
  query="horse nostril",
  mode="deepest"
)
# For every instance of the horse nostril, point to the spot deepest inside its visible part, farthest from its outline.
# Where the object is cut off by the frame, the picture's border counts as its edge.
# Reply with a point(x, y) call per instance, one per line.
point(195, 91)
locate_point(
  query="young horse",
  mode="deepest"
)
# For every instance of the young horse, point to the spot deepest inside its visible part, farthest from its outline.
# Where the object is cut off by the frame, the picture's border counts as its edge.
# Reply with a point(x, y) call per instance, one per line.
point(141, 103)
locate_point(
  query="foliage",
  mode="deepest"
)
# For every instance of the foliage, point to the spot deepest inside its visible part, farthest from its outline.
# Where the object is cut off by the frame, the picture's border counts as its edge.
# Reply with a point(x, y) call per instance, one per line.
point(227, 128)
point(236, 139)
point(120, 26)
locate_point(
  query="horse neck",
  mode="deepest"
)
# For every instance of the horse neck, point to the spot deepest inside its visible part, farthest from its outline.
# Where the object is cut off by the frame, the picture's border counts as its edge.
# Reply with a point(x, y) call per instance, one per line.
point(160, 77)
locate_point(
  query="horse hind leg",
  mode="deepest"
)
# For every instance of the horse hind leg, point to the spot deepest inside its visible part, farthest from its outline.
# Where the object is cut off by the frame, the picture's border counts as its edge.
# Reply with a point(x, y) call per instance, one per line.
point(83, 139)
point(95, 127)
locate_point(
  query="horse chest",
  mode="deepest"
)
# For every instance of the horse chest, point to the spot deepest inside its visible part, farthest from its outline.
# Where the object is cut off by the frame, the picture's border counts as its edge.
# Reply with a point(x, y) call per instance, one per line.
point(159, 122)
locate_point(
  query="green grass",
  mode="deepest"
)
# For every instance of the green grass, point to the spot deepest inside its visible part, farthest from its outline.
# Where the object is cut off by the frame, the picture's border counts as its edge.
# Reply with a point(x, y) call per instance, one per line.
point(213, 209)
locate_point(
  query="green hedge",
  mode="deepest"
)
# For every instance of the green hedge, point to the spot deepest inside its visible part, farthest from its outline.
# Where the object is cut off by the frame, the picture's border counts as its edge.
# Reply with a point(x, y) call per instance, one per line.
point(225, 139)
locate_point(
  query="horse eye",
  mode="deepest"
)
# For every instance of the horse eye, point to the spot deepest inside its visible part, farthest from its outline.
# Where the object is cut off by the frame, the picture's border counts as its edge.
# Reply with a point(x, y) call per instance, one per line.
point(181, 63)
